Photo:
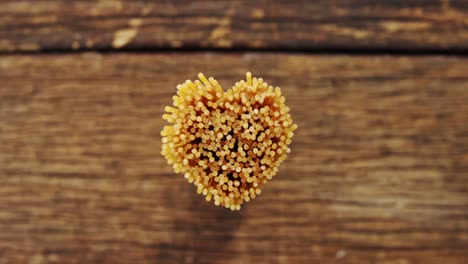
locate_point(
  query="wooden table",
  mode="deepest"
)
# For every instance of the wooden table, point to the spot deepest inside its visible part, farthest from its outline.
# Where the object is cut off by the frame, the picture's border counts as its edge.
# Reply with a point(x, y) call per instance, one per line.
point(379, 166)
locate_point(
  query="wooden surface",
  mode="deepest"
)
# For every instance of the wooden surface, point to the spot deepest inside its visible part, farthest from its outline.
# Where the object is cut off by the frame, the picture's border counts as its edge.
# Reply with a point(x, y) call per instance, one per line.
point(35, 25)
point(379, 166)
point(378, 171)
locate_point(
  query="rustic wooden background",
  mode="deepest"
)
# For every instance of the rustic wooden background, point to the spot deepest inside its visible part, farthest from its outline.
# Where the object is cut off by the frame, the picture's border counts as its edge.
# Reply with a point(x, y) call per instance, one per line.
point(379, 166)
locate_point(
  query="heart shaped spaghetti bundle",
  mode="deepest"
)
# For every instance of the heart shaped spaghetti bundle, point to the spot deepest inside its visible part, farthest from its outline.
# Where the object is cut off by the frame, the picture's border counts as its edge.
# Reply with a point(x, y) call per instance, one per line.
point(229, 144)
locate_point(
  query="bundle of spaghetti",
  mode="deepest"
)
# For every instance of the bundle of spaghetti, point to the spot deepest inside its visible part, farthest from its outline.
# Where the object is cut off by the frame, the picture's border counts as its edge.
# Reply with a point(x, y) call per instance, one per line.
point(228, 144)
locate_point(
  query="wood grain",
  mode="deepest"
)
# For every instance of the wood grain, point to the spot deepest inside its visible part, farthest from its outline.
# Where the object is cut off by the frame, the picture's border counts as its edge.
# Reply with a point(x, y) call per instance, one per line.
point(378, 171)
point(32, 25)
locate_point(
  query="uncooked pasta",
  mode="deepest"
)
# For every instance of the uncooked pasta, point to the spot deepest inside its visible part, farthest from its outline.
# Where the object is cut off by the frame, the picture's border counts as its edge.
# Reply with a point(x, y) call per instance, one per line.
point(227, 143)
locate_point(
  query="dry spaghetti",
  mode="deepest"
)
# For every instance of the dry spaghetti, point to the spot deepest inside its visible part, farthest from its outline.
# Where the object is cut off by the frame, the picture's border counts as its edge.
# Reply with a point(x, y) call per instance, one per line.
point(229, 144)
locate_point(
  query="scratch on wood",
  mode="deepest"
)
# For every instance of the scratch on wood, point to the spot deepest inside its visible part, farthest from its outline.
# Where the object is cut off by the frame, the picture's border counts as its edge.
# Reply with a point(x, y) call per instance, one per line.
point(176, 43)
point(219, 34)
point(89, 43)
point(340, 254)
point(135, 22)
point(123, 37)
point(75, 45)
point(394, 26)
point(258, 13)
point(355, 33)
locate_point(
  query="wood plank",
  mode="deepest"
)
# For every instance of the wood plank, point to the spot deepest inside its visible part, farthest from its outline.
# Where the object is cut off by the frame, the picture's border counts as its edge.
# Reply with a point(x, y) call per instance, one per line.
point(31, 25)
point(378, 171)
